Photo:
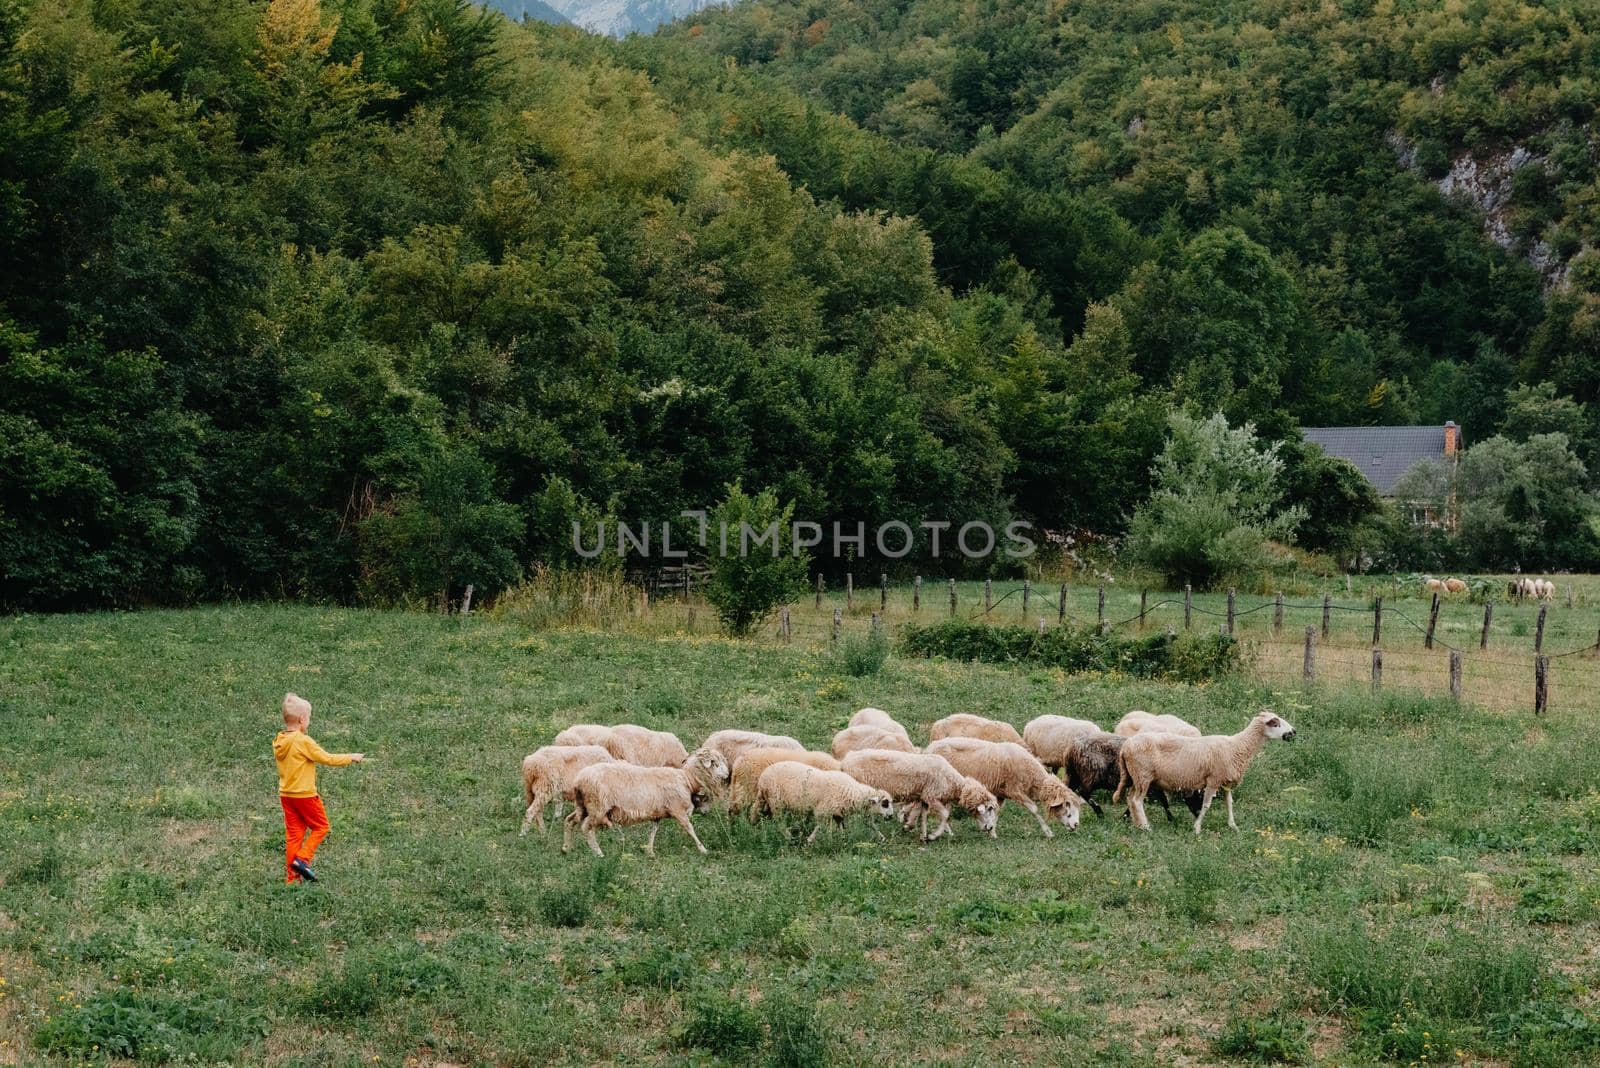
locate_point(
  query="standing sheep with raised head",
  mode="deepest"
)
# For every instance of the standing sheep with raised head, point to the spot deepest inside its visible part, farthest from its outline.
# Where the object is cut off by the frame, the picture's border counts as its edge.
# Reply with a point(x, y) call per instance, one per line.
point(733, 743)
point(1092, 765)
point(619, 794)
point(1011, 773)
point(1050, 738)
point(877, 717)
point(789, 786)
point(547, 775)
point(1139, 720)
point(928, 781)
point(1208, 764)
point(866, 736)
point(967, 725)
point(747, 772)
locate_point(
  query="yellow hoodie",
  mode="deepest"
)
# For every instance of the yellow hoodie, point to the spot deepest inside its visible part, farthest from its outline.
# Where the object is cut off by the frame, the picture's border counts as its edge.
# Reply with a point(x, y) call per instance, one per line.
point(298, 756)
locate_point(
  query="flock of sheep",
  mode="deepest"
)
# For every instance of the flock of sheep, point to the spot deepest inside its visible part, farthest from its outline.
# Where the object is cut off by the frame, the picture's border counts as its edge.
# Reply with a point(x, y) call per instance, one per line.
point(626, 774)
point(1517, 589)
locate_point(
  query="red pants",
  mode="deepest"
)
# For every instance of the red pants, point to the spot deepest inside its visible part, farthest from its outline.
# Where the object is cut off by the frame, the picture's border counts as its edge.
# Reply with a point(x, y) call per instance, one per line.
point(305, 823)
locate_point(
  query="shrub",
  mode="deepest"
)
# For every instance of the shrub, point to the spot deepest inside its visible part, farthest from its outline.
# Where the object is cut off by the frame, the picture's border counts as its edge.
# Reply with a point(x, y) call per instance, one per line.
point(1189, 657)
point(861, 655)
point(560, 597)
point(1265, 1040)
point(149, 1027)
point(747, 580)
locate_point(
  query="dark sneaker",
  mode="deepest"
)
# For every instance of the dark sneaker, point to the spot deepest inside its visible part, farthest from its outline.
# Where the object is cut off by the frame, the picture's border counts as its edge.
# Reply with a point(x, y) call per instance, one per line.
point(302, 869)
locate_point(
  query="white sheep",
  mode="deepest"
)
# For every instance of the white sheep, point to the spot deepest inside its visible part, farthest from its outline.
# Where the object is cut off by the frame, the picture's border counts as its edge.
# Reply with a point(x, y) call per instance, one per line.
point(733, 743)
point(1454, 585)
point(917, 779)
point(619, 794)
point(1050, 738)
point(1433, 585)
point(966, 725)
point(877, 717)
point(547, 775)
point(867, 736)
point(629, 742)
point(1546, 589)
point(1139, 720)
point(1179, 764)
point(789, 786)
point(747, 772)
point(1011, 773)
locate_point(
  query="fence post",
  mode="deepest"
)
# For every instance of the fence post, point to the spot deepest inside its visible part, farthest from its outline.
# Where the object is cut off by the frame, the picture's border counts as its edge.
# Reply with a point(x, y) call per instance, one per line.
point(1541, 684)
point(1308, 671)
point(787, 633)
point(1377, 621)
point(1188, 592)
point(1026, 589)
point(1101, 617)
point(916, 594)
point(1231, 592)
point(1538, 631)
point(1327, 613)
point(883, 592)
point(1433, 621)
point(466, 601)
point(988, 595)
point(1277, 613)
point(952, 597)
point(688, 585)
point(850, 591)
point(1569, 596)
point(819, 589)
point(1061, 605)
point(1144, 596)
point(1455, 674)
point(1488, 614)
point(1377, 670)
point(837, 618)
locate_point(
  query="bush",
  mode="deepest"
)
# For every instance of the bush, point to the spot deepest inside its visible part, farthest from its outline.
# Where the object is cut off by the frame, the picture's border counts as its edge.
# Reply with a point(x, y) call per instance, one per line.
point(747, 579)
point(861, 655)
point(1187, 657)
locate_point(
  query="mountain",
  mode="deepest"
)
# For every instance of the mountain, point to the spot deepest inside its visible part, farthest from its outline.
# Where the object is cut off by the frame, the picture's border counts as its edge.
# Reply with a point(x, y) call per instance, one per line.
point(531, 9)
point(618, 18)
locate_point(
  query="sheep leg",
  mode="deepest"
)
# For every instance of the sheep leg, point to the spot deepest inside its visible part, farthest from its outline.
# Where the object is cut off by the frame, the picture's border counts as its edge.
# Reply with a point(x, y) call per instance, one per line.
point(566, 834)
point(1229, 795)
point(1136, 809)
point(812, 837)
point(530, 817)
point(944, 822)
point(1160, 796)
point(1205, 805)
point(1028, 804)
point(688, 828)
point(650, 843)
point(1098, 811)
point(594, 841)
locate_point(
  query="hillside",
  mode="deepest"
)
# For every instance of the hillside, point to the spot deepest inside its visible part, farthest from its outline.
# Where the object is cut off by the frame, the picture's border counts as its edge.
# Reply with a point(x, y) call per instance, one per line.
point(529, 9)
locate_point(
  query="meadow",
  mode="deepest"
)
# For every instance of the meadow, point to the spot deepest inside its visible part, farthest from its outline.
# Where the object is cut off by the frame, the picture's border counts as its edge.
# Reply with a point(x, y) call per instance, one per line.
point(1414, 881)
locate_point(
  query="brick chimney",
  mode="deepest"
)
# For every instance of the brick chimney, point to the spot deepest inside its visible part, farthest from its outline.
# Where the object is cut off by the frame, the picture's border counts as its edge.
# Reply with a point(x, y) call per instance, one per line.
point(1452, 439)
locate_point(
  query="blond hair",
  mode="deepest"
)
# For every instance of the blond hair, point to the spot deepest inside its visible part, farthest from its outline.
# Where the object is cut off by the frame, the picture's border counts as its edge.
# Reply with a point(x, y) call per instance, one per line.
point(296, 709)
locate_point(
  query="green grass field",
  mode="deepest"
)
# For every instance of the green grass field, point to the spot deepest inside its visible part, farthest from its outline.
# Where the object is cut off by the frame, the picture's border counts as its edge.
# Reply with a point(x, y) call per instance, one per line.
point(1414, 882)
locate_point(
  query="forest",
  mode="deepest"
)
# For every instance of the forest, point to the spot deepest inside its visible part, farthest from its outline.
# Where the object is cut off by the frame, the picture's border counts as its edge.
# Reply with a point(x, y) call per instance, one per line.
point(358, 300)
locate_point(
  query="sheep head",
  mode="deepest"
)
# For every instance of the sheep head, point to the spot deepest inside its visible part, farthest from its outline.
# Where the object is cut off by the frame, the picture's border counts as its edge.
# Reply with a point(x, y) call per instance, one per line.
point(1062, 804)
point(976, 798)
point(881, 804)
point(1274, 725)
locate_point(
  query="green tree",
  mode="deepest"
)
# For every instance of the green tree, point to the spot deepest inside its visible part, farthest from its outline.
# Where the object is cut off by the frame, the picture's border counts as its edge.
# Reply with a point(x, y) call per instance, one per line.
point(758, 570)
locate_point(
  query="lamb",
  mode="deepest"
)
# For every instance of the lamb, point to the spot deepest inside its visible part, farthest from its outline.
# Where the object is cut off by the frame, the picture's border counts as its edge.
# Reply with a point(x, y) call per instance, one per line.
point(629, 742)
point(867, 736)
point(1139, 720)
point(747, 772)
point(1050, 738)
point(790, 786)
point(966, 725)
point(1092, 765)
point(619, 794)
point(877, 717)
point(547, 774)
point(1011, 773)
point(919, 779)
point(733, 743)
point(1214, 762)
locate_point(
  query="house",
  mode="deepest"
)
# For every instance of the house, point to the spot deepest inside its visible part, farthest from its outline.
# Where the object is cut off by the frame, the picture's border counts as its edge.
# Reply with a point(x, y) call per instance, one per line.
point(1384, 453)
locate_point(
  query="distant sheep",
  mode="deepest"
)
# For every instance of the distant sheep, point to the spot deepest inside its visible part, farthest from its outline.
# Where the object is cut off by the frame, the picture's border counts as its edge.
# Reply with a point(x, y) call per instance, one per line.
point(1011, 773)
point(877, 717)
point(1520, 588)
point(789, 786)
point(1433, 585)
point(852, 739)
point(1455, 585)
point(733, 743)
point(926, 781)
point(619, 794)
point(966, 725)
point(547, 775)
point(1214, 762)
point(1139, 721)
point(1050, 737)
point(628, 742)
point(747, 772)
point(1092, 765)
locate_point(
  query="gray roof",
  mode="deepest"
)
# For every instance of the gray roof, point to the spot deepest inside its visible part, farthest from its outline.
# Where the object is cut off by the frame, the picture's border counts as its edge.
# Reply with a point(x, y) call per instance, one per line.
point(1382, 453)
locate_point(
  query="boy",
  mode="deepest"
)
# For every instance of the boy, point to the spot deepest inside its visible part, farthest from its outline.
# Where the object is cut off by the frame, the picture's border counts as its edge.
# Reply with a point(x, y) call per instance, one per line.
point(305, 821)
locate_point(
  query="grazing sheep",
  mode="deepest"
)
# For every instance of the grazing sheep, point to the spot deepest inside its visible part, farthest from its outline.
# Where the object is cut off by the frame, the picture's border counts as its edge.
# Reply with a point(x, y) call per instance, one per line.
point(877, 717)
point(1011, 773)
point(1092, 765)
point(547, 774)
point(966, 725)
point(1433, 585)
point(789, 786)
point(1050, 738)
point(1545, 589)
point(747, 772)
point(629, 742)
point(1454, 585)
point(585, 734)
point(619, 794)
point(867, 736)
point(733, 743)
point(1214, 762)
point(918, 779)
point(1139, 720)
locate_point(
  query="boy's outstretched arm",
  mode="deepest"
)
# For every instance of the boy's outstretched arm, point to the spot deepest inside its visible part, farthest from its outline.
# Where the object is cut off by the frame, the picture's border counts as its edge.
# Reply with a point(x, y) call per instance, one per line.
point(320, 755)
